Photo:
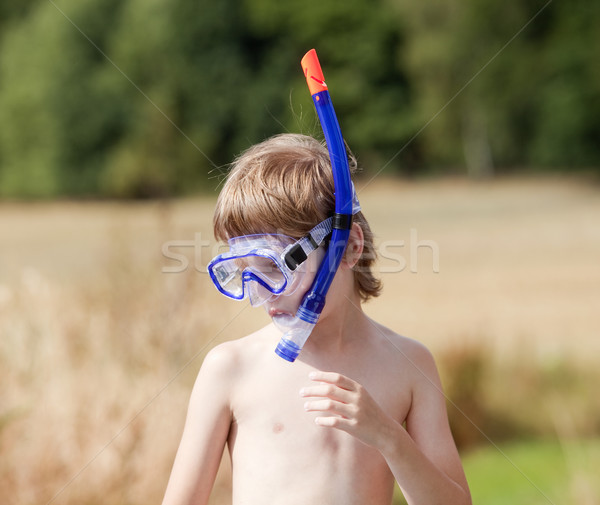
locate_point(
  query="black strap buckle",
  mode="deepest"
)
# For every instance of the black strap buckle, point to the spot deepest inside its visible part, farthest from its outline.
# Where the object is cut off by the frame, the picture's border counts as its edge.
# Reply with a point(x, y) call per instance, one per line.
point(341, 221)
point(294, 257)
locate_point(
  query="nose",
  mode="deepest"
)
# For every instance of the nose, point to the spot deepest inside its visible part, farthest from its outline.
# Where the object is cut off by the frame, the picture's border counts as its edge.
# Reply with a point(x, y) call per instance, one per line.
point(259, 295)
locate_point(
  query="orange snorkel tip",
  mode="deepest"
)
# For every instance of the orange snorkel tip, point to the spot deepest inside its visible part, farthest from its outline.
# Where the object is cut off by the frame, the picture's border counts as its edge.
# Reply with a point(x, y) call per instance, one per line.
point(313, 73)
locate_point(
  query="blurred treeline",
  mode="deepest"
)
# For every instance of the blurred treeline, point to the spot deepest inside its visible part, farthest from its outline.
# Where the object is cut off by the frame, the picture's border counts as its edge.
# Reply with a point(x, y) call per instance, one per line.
point(144, 98)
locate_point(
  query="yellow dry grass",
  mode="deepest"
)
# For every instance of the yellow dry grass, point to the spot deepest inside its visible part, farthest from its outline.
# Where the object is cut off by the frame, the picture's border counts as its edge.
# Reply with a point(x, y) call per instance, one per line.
point(99, 347)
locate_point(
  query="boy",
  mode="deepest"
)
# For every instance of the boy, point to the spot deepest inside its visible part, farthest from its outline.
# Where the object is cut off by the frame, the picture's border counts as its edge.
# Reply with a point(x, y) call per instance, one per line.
point(359, 408)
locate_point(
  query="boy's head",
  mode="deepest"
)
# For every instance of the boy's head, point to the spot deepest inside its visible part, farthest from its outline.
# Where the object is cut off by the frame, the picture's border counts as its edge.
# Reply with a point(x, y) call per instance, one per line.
point(285, 185)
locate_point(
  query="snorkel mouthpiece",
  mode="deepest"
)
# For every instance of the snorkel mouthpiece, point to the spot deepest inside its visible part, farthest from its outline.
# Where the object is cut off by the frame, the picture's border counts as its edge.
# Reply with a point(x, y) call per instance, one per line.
point(300, 328)
point(292, 342)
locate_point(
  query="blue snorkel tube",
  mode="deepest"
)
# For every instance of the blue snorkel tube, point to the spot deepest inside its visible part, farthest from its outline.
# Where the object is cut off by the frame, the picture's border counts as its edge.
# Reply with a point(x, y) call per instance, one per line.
point(313, 302)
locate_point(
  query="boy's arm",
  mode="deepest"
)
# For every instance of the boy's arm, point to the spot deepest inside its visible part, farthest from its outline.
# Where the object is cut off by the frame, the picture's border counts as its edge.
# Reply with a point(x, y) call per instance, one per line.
point(205, 433)
point(422, 457)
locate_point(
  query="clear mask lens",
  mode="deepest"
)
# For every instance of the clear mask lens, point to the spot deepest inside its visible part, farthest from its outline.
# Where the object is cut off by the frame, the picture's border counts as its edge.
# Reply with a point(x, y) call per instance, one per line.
point(254, 267)
point(228, 277)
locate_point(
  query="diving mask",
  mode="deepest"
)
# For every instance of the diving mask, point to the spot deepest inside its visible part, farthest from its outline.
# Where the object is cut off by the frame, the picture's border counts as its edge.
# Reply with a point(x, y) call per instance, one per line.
point(261, 267)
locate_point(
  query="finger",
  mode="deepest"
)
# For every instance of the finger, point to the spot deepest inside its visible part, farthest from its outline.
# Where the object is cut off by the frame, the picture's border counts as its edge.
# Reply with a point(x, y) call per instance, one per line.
point(330, 406)
point(336, 422)
point(333, 378)
point(327, 390)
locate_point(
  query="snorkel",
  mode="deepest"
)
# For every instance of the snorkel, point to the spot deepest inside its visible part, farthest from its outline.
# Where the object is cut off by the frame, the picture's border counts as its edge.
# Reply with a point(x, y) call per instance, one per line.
point(302, 324)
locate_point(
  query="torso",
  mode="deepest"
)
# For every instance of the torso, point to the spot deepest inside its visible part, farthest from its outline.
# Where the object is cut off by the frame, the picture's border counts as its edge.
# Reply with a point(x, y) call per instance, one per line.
point(280, 456)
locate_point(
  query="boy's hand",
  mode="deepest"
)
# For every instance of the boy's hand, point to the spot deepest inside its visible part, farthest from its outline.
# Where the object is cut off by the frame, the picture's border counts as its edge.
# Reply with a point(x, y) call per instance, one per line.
point(348, 406)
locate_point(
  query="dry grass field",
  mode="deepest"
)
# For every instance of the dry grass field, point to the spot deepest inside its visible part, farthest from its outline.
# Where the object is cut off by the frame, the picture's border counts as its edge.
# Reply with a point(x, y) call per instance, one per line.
point(100, 341)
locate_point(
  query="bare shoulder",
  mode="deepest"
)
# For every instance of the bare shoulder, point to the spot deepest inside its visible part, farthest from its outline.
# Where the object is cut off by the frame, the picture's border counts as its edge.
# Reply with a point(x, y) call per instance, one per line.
point(223, 370)
point(410, 348)
point(221, 360)
point(228, 360)
point(408, 354)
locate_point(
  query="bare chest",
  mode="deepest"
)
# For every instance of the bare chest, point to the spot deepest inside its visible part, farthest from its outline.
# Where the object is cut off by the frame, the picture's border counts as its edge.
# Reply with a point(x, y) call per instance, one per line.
point(276, 447)
point(270, 419)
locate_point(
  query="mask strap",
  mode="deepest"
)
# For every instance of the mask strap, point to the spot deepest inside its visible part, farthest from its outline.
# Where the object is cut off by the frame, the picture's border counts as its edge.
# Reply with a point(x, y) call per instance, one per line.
point(296, 254)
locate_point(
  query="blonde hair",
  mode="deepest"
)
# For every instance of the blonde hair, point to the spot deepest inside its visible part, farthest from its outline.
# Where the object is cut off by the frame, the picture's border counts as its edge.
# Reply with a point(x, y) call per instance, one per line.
point(285, 185)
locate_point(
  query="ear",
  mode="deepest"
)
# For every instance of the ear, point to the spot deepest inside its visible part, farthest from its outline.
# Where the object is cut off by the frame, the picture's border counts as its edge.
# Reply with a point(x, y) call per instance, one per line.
point(354, 248)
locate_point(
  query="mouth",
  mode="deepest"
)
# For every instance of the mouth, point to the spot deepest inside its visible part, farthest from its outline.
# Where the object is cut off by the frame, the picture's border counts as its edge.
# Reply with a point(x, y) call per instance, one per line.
point(274, 312)
point(283, 320)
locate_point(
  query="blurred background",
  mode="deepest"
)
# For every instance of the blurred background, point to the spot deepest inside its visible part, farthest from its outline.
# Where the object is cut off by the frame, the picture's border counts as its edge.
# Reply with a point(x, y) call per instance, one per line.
point(476, 124)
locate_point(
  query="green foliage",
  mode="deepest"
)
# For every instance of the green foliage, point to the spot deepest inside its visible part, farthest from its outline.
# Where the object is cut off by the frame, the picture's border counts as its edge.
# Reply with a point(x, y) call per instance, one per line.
point(143, 98)
point(57, 119)
point(512, 79)
point(535, 472)
point(569, 102)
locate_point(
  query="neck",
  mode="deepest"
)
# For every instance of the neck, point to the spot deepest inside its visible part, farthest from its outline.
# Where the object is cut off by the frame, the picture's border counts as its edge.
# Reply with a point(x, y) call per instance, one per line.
point(337, 326)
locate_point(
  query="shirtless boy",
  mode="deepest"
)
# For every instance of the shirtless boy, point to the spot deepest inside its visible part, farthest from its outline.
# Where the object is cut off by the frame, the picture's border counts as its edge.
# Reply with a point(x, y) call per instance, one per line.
point(360, 408)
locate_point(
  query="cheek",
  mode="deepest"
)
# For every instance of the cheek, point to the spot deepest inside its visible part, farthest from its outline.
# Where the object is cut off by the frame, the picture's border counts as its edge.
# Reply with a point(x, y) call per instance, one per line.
point(296, 297)
point(311, 267)
point(306, 282)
